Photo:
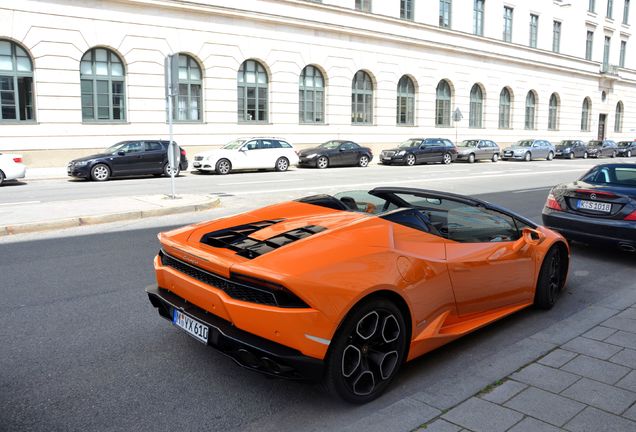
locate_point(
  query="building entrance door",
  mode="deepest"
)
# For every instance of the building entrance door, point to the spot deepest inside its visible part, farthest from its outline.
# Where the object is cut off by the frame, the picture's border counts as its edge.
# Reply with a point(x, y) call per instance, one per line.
point(602, 119)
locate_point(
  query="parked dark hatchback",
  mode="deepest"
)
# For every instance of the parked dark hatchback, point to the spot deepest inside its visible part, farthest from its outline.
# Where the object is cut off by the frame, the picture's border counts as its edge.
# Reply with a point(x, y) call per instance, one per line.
point(335, 153)
point(571, 149)
point(420, 150)
point(598, 148)
point(626, 148)
point(126, 158)
point(600, 207)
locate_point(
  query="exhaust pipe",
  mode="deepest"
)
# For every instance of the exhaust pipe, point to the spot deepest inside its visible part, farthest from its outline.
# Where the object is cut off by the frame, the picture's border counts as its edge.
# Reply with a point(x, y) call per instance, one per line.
point(627, 247)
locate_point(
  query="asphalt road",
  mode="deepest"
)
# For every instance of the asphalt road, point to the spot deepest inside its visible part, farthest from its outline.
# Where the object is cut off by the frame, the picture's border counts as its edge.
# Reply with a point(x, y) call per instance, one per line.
point(83, 350)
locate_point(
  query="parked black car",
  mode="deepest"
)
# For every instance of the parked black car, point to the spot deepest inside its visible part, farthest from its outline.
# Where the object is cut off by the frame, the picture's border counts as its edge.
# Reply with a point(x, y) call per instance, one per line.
point(626, 148)
point(598, 148)
point(571, 149)
point(335, 153)
point(478, 149)
point(127, 158)
point(420, 150)
point(599, 207)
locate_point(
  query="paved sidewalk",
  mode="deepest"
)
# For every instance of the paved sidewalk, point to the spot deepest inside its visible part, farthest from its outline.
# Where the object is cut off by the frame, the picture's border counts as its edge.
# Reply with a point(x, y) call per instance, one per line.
point(585, 384)
point(37, 216)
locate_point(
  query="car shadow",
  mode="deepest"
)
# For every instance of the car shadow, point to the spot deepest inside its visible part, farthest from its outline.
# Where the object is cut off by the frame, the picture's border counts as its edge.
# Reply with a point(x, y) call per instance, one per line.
point(10, 183)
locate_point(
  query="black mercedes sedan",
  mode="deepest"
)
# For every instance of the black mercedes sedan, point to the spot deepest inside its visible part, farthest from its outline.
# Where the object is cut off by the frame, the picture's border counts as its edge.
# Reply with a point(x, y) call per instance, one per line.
point(335, 153)
point(420, 150)
point(627, 148)
point(127, 158)
point(600, 207)
point(598, 148)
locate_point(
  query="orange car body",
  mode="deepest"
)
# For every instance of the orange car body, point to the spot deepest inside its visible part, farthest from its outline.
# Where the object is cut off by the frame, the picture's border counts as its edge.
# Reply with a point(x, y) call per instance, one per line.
point(446, 288)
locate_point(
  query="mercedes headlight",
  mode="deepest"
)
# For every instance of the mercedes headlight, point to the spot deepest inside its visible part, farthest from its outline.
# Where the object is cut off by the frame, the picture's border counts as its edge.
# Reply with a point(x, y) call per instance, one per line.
point(401, 153)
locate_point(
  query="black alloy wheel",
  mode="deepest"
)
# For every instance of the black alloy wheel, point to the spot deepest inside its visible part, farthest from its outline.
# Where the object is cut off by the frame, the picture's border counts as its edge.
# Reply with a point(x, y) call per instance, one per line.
point(223, 167)
point(551, 278)
point(447, 158)
point(367, 351)
point(409, 159)
point(363, 161)
point(322, 162)
point(100, 172)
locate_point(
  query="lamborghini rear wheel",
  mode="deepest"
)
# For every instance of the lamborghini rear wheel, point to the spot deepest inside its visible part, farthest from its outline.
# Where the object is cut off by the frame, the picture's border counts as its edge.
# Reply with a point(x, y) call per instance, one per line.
point(367, 351)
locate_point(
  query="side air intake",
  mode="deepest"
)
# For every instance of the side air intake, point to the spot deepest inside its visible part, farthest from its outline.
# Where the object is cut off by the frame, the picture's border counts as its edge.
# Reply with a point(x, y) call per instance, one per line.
point(237, 238)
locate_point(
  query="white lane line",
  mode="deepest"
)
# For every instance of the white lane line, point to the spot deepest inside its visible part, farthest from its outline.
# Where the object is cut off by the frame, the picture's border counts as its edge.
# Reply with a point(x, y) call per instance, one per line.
point(260, 181)
point(19, 203)
point(532, 190)
point(383, 183)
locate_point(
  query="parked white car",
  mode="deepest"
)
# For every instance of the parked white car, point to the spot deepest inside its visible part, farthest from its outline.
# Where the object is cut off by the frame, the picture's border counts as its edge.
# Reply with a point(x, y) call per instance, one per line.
point(246, 154)
point(11, 167)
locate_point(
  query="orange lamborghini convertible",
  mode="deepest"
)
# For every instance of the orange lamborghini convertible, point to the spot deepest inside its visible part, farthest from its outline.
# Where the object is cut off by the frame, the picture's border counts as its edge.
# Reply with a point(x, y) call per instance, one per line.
point(346, 288)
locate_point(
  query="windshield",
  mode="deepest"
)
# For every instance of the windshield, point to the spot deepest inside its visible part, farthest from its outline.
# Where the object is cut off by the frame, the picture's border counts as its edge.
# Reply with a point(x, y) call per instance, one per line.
point(469, 143)
point(624, 143)
point(524, 143)
point(115, 147)
point(595, 143)
point(409, 143)
point(568, 142)
point(233, 145)
point(330, 145)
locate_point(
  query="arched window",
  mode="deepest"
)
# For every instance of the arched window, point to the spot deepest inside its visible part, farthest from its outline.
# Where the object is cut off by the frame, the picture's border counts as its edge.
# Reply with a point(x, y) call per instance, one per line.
point(311, 96)
point(553, 112)
point(531, 101)
point(252, 92)
point(406, 101)
point(586, 110)
point(189, 99)
point(361, 99)
point(443, 104)
point(475, 116)
point(618, 119)
point(103, 86)
point(505, 102)
point(16, 83)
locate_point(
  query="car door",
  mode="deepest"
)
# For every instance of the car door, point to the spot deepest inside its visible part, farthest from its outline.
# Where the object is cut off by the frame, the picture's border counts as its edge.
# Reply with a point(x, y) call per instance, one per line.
point(424, 152)
point(268, 151)
point(489, 262)
point(538, 151)
point(153, 157)
point(482, 151)
point(245, 157)
point(129, 159)
point(438, 150)
point(349, 153)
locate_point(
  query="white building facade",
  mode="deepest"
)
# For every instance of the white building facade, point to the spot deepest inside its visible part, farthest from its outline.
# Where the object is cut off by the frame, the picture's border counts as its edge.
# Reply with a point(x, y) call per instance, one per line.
point(76, 76)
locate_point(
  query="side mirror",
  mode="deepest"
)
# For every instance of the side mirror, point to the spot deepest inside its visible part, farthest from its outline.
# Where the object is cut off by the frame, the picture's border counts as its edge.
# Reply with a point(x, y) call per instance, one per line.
point(342, 149)
point(121, 153)
point(242, 149)
point(529, 236)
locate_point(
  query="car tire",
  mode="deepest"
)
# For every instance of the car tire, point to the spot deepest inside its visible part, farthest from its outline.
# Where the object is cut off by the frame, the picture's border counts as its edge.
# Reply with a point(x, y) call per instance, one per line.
point(409, 159)
point(363, 161)
point(282, 164)
point(367, 351)
point(527, 157)
point(223, 167)
point(585, 155)
point(166, 170)
point(471, 158)
point(447, 158)
point(495, 157)
point(550, 156)
point(628, 154)
point(571, 155)
point(322, 162)
point(551, 278)
point(100, 172)
point(1, 177)
point(613, 155)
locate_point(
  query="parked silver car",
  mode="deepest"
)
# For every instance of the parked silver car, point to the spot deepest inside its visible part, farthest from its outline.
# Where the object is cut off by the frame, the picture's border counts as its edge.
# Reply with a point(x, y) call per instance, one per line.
point(530, 149)
point(478, 149)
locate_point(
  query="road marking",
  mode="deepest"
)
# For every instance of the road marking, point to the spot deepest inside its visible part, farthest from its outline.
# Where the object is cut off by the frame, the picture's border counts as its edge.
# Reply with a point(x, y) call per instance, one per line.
point(258, 182)
point(19, 203)
point(383, 183)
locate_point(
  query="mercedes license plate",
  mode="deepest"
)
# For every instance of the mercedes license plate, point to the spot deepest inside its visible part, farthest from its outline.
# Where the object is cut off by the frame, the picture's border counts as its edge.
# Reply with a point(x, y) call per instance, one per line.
point(194, 328)
point(594, 205)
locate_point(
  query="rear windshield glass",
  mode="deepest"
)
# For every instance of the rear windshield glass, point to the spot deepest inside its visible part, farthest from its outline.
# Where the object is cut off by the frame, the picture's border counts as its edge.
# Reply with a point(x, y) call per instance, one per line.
point(622, 176)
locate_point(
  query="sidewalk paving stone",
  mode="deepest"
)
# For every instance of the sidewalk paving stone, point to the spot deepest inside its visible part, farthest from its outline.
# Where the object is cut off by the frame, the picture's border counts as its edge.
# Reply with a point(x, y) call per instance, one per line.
point(600, 395)
point(557, 358)
point(406, 414)
point(626, 357)
point(596, 369)
point(625, 324)
point(599, 333)
point(571, 327)
point(623, 338)
point(628, 382)
point(545, 377)
point(631, 413)
point(549, 407)
point(628, 313)
point(592, 348)
point(530, 424)
point(504, 392)
point(482, 416)
point(440, 425)
point(595, 420)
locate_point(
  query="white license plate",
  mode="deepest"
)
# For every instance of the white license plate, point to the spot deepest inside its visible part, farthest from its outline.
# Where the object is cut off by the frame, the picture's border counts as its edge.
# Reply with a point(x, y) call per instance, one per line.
point(196, 164)
point(194, 328)
point(596, 206)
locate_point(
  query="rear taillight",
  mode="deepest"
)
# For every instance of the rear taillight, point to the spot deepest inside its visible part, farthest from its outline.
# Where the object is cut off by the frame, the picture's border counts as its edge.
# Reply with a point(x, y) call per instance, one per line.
point(631, 216)
point(17, 160)
point(552, 203)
